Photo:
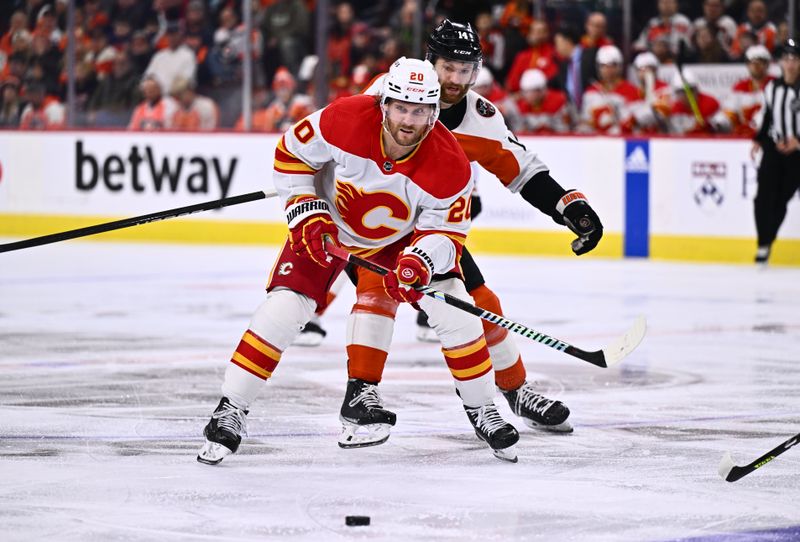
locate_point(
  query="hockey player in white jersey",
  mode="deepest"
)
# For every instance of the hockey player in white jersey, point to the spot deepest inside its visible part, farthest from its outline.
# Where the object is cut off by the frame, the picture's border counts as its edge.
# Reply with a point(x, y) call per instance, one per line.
point(382, 178)
point(454, 50)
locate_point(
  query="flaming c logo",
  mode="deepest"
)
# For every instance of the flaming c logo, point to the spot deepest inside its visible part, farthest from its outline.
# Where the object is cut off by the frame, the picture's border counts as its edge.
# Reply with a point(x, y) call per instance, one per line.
point(354, 205)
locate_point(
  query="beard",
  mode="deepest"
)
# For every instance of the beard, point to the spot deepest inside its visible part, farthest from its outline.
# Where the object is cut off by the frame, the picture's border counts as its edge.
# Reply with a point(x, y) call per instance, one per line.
point(406, 135)
point(452, 93)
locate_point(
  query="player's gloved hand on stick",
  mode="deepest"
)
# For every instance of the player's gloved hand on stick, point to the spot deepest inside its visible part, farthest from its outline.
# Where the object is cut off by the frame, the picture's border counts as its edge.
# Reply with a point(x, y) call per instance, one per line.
point(582, 220)
point(414, 268)
point(309, 220)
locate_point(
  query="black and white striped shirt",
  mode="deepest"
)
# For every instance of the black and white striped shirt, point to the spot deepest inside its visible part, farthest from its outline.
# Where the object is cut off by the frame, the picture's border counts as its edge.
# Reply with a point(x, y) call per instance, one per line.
point(779, 117)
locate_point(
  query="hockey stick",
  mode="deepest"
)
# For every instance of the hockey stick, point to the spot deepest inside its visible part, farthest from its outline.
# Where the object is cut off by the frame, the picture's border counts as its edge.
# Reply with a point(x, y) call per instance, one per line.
point(698, 116)
point(135, 221)
point(731, 472)
point(606, 357)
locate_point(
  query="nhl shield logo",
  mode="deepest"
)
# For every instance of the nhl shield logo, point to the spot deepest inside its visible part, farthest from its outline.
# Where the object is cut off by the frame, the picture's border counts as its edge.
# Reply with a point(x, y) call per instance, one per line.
point(387, 166)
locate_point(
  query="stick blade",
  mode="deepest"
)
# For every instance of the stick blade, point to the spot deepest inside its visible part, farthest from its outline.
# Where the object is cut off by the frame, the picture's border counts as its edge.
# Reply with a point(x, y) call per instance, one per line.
point(627, 343)
point(726, 466)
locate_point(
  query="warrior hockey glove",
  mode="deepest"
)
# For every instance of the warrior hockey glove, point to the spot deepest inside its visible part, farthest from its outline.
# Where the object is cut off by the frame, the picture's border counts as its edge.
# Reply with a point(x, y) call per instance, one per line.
point(309, 220)
point(414, 268)
point(582, 220)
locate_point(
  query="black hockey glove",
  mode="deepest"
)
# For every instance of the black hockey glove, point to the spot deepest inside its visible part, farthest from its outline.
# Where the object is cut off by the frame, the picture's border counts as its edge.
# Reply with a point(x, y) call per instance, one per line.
point(581, 219)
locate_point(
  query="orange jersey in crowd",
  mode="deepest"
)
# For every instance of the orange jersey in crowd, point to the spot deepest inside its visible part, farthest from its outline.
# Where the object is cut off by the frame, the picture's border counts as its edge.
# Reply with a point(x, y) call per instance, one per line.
point(744, 104)
point(609, 110)
point(548, 117)
point(148, 117)
point(766, 36)
point(682, 119)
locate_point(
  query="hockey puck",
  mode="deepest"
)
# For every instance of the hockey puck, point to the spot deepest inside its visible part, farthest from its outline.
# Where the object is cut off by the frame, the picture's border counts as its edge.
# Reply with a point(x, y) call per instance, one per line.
point(355, 521)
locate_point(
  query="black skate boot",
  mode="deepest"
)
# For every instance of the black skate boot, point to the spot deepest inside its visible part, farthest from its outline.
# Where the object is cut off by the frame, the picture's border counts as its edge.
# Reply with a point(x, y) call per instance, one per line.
point(223, 433)
point(762, 255)
point(311, 334)
point(364, 420)
point(537, 411)
point(491, 428)
point(425, 332)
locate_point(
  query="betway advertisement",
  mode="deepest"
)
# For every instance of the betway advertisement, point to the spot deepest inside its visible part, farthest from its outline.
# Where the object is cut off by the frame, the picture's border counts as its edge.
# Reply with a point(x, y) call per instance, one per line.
point(706, 188)
point(122, 174)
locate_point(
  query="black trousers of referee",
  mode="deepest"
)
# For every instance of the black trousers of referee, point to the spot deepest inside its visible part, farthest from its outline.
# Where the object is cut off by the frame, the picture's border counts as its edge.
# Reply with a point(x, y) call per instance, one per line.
point(778, 180)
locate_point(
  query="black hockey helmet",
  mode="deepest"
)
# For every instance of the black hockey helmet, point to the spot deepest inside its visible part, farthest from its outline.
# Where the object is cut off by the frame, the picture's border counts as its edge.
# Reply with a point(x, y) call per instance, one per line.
point(791, 47)
point(454, 41)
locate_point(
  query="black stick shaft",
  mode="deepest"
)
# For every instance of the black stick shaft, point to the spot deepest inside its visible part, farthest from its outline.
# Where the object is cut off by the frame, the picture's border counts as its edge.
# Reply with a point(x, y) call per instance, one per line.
point(134, 221)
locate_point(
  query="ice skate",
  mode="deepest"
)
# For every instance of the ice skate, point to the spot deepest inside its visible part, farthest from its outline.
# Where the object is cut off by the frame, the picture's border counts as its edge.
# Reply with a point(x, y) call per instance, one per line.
point(311, 334)
point(762, 255)
point(491, 428)
point(364, 420)
point(223, 433)
point(537, 411)
point(425, 332)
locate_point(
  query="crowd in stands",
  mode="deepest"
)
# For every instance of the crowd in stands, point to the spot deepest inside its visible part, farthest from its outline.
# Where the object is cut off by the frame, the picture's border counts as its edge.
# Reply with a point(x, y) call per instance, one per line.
point(178, 64)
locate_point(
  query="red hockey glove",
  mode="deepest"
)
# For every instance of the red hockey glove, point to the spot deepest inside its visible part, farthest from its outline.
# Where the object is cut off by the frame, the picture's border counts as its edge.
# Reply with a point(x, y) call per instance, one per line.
point(414, 268)
point(582, 220)
point(309, 220)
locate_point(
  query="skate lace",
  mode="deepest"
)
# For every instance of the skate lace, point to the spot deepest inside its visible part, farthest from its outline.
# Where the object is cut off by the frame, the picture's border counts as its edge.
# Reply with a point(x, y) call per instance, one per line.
point(369, 396)
point(488, 419)
point(533, 401)
point(231, 419)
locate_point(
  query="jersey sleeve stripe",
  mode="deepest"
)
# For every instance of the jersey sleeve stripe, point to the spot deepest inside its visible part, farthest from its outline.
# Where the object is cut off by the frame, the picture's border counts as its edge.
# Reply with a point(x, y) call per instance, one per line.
point(490, 154)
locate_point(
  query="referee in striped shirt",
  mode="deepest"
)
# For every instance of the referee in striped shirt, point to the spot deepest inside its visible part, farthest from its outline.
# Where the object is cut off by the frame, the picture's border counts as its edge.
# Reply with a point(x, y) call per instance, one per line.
point(779, 137)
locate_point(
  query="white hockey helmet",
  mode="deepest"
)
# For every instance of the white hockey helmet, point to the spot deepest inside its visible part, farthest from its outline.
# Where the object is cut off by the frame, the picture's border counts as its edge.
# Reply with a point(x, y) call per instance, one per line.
point(532, 79)
point(757, 52)
point(412, 80)
point(609, 54)
point(645, 60)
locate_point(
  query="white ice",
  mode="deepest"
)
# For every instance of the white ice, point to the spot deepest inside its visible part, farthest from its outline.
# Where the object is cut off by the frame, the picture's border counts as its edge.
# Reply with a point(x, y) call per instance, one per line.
point(112, 355)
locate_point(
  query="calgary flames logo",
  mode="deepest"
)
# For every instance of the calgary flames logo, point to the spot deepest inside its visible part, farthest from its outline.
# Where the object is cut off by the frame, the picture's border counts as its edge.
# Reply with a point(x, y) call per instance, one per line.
point(355, 205)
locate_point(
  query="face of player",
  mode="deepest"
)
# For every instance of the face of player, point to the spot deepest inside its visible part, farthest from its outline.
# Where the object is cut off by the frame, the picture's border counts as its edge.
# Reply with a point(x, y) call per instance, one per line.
point(610, 72)
point(758, 68)
point(408, 123)
point(456, 78)
point(533, 96)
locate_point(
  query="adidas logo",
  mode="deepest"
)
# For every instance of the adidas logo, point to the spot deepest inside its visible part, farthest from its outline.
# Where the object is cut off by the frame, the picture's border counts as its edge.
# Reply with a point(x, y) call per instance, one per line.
point(637, 161)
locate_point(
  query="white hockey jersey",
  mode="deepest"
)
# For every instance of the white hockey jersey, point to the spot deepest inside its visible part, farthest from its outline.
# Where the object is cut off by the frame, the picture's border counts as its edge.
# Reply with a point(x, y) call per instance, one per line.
point(337, 154)
point(482, 132)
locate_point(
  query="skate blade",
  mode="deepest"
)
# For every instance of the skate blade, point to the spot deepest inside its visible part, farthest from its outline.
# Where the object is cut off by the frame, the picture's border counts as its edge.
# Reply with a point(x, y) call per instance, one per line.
point(361, 436)
point(212, 453)
point(507, 454)
point(427, 335)
point(563, 427)
point(308, 339)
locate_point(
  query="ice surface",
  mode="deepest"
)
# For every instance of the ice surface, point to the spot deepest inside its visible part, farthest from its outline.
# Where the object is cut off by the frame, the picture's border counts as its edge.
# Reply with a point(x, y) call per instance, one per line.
point(112, 355)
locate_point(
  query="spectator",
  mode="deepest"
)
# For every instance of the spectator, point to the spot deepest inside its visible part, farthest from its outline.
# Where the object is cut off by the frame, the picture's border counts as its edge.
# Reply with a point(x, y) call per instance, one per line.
point(517, 17)
point(607, 103)
point(227, 54)
point(681, 116)
point(596, 28)
point(121, 33)
point(156, 111)
point(651, 108)
point(756, 23)
point(722, 26)
point(745, 102)
point(44, 53)
point(141, 51)
point(780, 39)
point(116, 95)
point(493, 43)
point(669, 24)
point(100, 54)
point(577, 69)
point(402, 28)
point(662, 49)
point(540, 54)
point(285, 109)
point(195, 112)
point(18, 22)
point(85, 86)
point(47, 26)
point(15, 68)
point(42, 112)
point(134, 12)
point(286, 34)
point(540, 110)
point(707, 49)
point(361, 43)
point(339, 41)
point(11, 103)
point(173, 62)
